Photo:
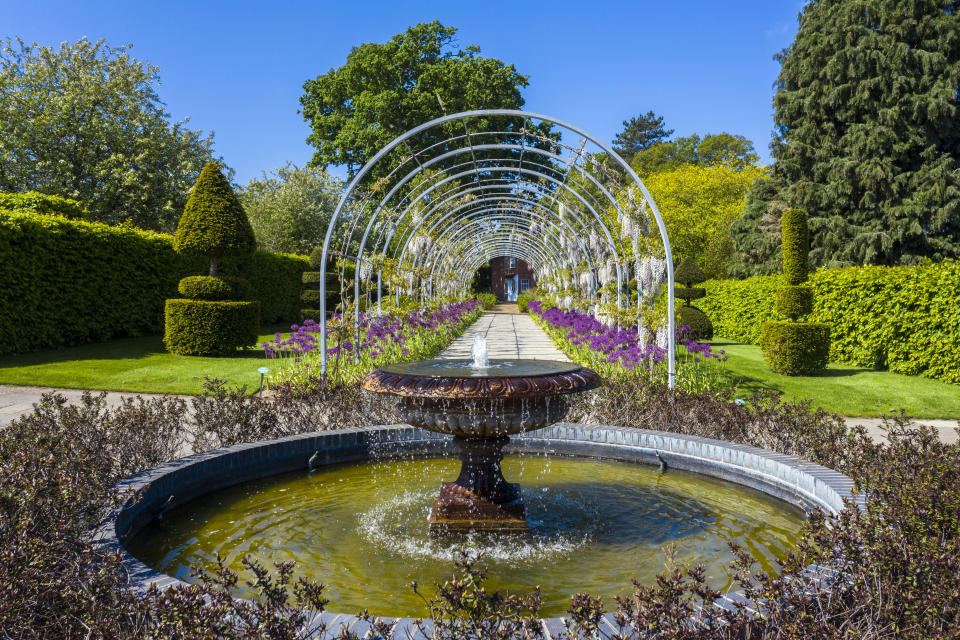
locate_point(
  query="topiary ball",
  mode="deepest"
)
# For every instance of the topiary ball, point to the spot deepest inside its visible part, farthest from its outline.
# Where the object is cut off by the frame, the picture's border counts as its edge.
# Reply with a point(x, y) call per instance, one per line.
point(795, 348)
point(700, 326)
point(794, 301)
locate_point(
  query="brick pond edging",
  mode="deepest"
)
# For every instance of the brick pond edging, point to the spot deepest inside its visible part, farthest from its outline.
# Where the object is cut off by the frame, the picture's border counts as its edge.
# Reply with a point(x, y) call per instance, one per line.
point(174, 483)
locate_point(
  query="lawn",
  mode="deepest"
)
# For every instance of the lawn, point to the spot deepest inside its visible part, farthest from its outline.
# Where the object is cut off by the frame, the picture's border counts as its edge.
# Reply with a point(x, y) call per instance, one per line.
point(133, 364)
point(847, 390)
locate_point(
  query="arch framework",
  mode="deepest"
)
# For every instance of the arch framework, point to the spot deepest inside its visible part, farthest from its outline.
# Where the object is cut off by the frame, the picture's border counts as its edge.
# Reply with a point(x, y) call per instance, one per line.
point(445, 197)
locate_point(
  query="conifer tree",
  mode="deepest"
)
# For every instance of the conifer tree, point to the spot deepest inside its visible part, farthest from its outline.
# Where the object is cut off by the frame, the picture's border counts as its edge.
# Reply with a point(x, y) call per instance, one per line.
point(868, 120)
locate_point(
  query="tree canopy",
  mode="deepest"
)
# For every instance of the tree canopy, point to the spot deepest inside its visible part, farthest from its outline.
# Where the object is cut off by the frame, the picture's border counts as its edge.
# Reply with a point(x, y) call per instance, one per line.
point(640, 133)
point(698, 205)
point(386, 89)
point(85, 122)
point(713, 150)
point(867, 115)
point(291, 207)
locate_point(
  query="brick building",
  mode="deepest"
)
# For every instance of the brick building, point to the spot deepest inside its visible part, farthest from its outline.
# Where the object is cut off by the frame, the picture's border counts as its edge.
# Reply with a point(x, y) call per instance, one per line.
point(510, 276)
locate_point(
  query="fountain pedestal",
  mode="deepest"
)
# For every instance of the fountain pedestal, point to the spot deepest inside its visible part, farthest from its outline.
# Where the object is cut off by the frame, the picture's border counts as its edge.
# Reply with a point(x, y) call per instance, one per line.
point(480, 499)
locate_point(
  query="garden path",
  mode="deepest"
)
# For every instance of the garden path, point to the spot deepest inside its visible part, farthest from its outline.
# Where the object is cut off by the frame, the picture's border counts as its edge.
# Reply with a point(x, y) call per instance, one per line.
point(509, 335)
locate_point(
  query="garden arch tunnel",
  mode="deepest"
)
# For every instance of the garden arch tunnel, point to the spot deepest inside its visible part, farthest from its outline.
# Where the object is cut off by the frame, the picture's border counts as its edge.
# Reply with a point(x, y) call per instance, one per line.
point(444, 198)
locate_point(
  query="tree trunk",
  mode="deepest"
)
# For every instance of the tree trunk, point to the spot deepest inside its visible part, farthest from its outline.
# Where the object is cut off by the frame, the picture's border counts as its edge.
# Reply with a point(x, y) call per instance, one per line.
point(213, 267)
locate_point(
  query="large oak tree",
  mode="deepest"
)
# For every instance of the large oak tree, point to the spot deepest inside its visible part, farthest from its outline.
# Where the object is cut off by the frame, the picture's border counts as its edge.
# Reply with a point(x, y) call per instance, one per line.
point(386, 89)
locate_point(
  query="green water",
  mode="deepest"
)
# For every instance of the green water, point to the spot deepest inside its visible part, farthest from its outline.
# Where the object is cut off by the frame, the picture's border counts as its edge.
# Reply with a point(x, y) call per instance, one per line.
point(361, 529)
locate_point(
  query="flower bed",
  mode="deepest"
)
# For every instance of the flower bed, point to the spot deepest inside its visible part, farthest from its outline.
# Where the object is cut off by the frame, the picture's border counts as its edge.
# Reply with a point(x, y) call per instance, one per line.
point(375, 341)
point(615, 351)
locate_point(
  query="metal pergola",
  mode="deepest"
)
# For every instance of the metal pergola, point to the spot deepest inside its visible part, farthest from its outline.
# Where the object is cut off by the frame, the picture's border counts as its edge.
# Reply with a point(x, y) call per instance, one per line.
point(447, 196)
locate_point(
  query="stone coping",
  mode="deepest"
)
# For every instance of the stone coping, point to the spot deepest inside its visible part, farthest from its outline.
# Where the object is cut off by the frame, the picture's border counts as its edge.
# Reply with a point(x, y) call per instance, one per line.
point(804, 484)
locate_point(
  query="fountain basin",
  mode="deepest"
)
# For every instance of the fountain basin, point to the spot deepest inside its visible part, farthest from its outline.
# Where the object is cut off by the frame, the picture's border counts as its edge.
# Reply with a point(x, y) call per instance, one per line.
point(798, 482)
point(504, 398)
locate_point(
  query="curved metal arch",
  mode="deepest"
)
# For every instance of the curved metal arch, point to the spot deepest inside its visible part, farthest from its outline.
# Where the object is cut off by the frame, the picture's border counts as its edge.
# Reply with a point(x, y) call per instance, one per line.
point(354, 183)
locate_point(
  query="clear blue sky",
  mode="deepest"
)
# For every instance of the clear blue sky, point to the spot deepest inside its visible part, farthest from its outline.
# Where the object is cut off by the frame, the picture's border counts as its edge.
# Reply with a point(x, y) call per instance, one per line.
point(237, 68)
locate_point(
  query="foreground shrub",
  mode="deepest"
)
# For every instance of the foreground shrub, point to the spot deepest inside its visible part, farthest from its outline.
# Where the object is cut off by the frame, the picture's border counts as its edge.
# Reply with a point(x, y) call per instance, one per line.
point(210, 328)
point(897, 562)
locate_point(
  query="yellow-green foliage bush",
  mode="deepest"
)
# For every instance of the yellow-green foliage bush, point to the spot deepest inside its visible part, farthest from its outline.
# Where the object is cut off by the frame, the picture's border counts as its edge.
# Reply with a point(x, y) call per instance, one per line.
point(906, 319)
point(66, 282)
point(42, 203)
point(489, 300)
point(524, 299)
point(210, 327)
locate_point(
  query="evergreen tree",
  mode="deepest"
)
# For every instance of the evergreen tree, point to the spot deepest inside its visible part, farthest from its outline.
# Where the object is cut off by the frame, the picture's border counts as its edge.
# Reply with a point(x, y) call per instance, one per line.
point(640, 133)
point(867, 112)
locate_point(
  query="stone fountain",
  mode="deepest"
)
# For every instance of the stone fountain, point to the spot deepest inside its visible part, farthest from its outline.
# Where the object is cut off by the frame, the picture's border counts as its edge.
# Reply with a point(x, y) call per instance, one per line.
point(481, 403)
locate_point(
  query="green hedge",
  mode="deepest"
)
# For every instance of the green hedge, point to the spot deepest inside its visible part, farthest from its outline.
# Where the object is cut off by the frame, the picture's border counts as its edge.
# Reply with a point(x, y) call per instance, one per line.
point(66, 282)
point(795, 348)
point(210, 327)
point(905, 319)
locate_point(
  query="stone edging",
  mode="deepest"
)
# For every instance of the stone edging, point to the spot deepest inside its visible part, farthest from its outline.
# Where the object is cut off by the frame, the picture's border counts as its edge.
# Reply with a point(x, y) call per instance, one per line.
point(155, 490)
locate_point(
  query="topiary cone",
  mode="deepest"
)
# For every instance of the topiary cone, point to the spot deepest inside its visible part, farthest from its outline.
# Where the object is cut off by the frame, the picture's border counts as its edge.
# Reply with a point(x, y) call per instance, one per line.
point(688, 272)
point(214, 223)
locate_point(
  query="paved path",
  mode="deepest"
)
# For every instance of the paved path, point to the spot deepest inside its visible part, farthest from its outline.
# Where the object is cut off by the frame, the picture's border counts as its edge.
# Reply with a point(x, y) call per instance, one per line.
point(509, 335)
point(16, 401)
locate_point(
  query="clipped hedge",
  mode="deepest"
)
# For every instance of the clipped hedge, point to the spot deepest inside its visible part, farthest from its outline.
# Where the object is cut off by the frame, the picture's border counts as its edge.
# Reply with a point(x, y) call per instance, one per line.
point(66, 282)
point(697, 320)
point(796, 348)
point(210, 327)
point(905, 319)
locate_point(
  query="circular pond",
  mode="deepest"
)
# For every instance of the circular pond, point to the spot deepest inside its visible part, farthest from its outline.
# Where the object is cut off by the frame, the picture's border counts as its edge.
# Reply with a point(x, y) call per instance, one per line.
point(361, 529)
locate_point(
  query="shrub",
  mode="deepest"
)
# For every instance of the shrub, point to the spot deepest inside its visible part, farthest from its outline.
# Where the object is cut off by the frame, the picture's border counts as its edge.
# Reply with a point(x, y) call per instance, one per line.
point(210, 328)
point(44, 303)
point(688, 273)
point(796, 246)
point(213, 223)
point(214, 288)
point(43, 204)
point(524, 299)
point(796, 348)
point(697, 320)
point(689, 293)
point(311, 277)
point(794, 301)
point(489, 300)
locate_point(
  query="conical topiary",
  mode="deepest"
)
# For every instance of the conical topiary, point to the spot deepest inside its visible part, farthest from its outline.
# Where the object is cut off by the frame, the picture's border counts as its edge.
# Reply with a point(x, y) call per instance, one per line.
point(790, 347)
point(214, 223)
point(210, 320)
point(688, 273)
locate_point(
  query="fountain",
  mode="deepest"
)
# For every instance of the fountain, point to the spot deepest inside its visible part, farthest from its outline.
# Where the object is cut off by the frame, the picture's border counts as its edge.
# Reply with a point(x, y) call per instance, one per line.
point(481, 403)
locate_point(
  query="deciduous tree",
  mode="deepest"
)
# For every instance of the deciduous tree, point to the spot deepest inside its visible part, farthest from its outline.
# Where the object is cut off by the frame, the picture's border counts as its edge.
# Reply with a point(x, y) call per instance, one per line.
point(85, 122)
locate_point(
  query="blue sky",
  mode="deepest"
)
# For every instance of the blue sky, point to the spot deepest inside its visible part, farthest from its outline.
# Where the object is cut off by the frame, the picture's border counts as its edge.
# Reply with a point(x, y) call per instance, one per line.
point(238, 68)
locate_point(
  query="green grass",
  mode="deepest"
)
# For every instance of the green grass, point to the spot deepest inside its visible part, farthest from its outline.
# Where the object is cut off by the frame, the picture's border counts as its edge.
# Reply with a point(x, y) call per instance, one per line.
point(847, 390)
point(134, 364)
